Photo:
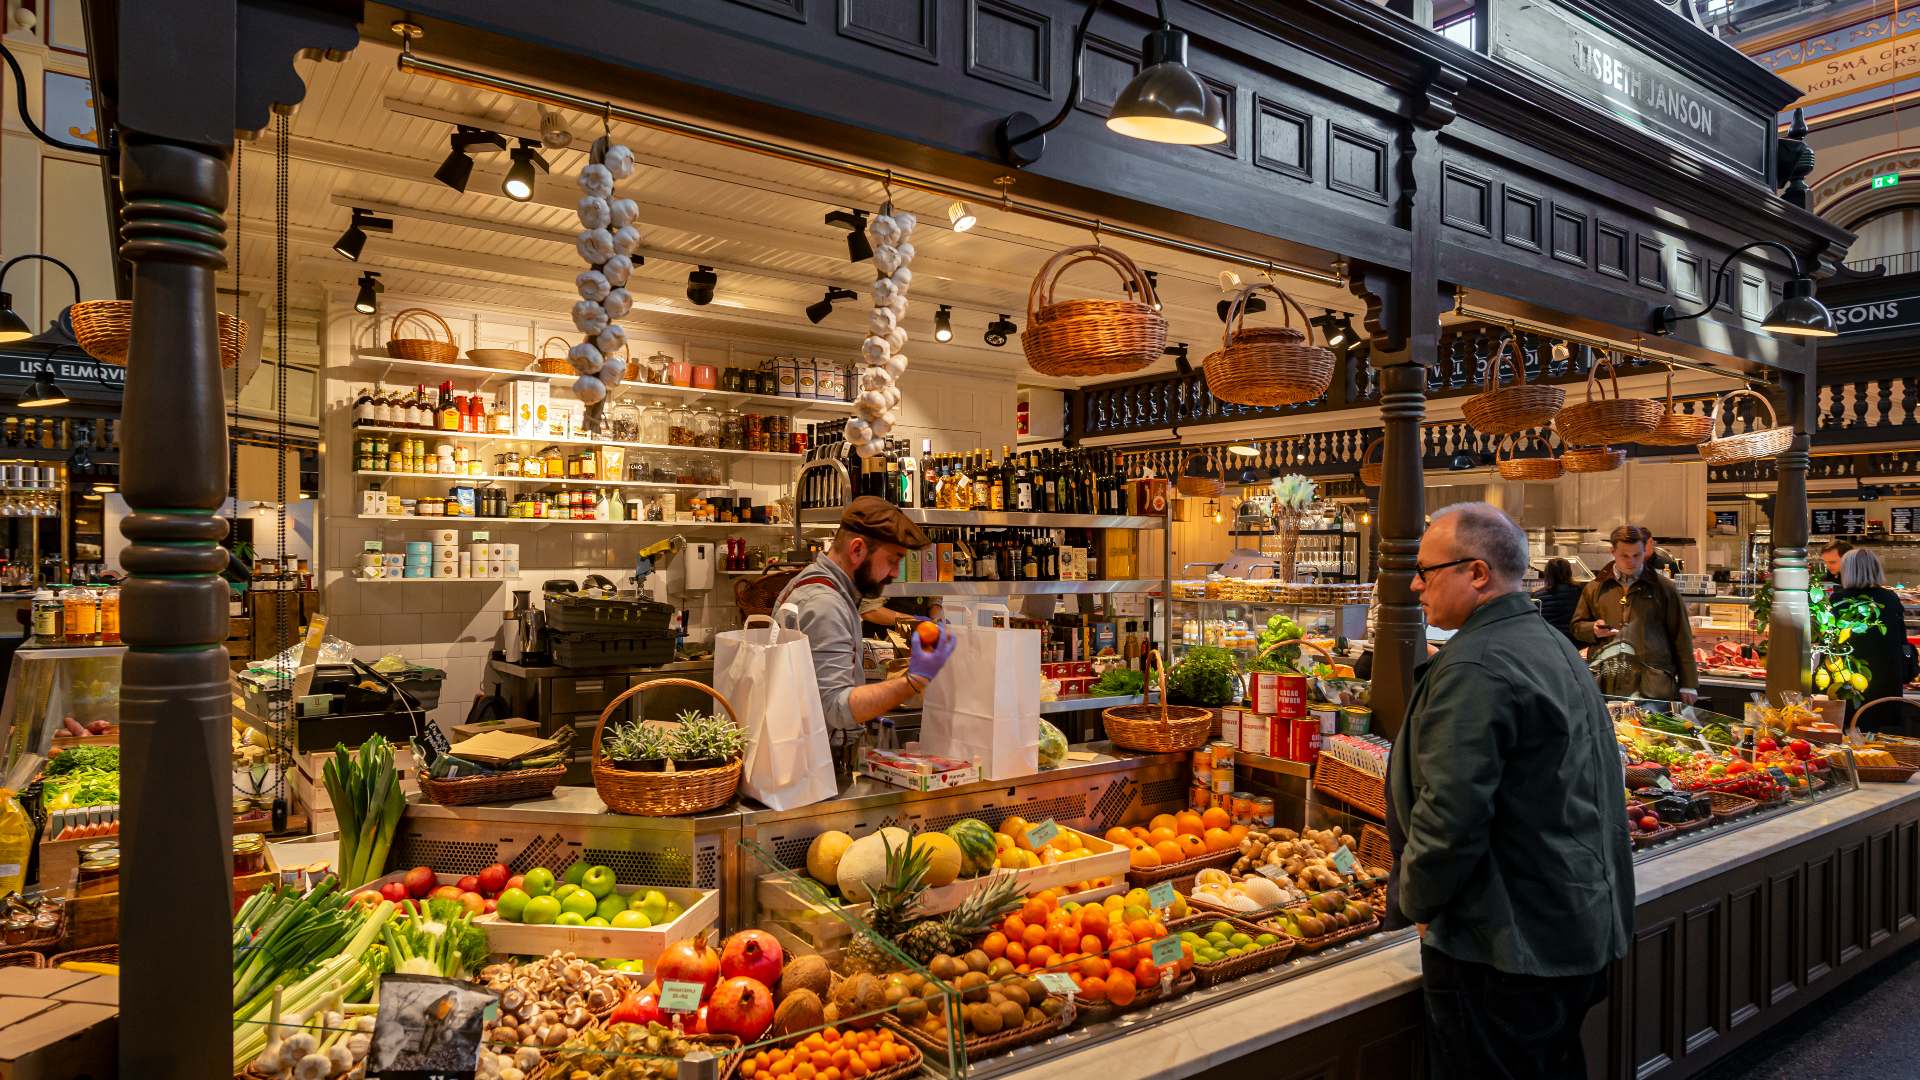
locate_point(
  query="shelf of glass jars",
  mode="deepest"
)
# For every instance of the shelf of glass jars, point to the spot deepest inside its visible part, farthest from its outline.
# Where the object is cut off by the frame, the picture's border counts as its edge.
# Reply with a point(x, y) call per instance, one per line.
point(1021, 588)
point(1000, 519)
point(542, 481)
point(672, 526)
point(534, 440)
point(372, 364)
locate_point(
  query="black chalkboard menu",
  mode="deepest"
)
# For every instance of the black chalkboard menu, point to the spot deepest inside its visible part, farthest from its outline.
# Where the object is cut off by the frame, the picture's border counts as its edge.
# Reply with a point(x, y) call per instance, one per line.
point(1826, 522)
point(1902, 519)
point(1853, 520)
point(1840, 521)
point(1726, 519)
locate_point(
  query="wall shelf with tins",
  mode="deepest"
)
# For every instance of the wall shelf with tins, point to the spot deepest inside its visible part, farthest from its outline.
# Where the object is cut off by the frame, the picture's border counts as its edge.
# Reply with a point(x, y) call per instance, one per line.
point(477, 436)
point(488, 522)
point(1021, 588)
point(372, 364)
point(992, 519)
point(538, 480)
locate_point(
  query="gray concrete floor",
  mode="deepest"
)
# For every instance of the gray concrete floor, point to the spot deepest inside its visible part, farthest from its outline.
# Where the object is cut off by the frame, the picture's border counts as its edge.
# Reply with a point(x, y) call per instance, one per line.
point(1863, 1029)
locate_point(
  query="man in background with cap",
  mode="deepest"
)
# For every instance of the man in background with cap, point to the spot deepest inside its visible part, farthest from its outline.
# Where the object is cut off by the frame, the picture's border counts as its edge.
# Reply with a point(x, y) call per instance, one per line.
point(865, 554)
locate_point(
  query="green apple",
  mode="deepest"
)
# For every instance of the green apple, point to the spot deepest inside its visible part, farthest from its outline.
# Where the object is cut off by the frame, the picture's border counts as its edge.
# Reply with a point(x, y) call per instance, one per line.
point(541, 910)
point(580, 902)
point(611, 905)
point(598, 880)
point(597, 921)
point(538, 881)
point(631, 920)
point(561, 892)
point(569, 918)
point(511, 904)
point(674, 911)
point(653, 904)
point(576, 872)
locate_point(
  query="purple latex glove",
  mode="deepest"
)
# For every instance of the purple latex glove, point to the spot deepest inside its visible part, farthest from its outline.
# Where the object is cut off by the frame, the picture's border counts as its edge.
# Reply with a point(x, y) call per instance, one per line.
point(923, 662)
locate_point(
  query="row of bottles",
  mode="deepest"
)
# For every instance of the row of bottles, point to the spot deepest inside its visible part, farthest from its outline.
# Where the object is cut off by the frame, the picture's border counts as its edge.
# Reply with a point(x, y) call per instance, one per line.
point(1016, 554)
point(1052, 481)
point(421, 408)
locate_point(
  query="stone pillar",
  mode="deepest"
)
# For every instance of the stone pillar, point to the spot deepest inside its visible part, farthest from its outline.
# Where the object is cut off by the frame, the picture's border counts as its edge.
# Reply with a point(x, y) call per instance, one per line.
point(1789, 634)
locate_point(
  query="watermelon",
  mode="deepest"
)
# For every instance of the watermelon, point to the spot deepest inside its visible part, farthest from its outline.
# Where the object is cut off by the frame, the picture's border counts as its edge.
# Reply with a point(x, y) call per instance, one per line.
point(977, 849)
point(1053, 746)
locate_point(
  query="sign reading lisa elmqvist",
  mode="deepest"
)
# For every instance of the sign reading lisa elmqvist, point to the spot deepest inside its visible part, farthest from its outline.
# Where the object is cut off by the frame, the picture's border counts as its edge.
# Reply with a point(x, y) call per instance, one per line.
point(1594, 65)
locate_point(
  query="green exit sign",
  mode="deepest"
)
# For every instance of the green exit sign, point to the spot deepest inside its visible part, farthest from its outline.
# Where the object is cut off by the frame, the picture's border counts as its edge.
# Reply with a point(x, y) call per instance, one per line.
point(1891, 179)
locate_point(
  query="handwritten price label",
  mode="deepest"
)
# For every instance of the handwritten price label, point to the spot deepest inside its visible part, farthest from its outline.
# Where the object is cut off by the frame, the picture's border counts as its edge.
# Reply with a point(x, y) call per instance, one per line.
point(1664, 783)
point(1343, 860)
point(1042, 834)
point(1057, 982)
point(1272, 872)
point(679, 996)
point(1161, 895)
point(1166, 951)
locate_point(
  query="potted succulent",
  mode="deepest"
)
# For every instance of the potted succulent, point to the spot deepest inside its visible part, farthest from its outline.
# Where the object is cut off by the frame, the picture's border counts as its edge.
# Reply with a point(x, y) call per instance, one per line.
point(639, 748)
point(706, 741)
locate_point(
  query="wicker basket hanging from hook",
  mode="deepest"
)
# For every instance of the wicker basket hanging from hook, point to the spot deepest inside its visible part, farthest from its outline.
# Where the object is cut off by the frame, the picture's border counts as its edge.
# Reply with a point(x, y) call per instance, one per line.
point(1510, 410)
point(1762, 442)
point(1513, 467)
point(1677, 428)
point(1592, 459)
point(1203, 482)
point(429, 348)
point(1092, 337)
point(1372, 469)
point(1600, 420)
point(104, 328)
point(1268, 365)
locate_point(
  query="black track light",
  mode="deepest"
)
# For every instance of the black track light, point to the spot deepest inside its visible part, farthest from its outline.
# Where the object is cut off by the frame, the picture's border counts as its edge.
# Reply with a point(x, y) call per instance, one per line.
point(458, 166)
point(824, 307)
point(1334, 328)
point(1180, 361)
point(855, 222)
point(354, 239)
point(943, 324)
point(700, 285)
point(370, 287)
point(1254, 306)
point(999, 330)
point(518, 185)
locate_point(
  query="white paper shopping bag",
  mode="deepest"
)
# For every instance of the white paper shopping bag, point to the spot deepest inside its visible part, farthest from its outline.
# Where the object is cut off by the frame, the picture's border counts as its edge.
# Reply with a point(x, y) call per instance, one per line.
point(984, 706)
point(767, 673)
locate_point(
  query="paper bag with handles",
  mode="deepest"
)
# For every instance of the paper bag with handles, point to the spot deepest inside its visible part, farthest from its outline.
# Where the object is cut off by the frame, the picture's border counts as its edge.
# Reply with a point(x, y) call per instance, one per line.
point(984, 706)
point(767, 673)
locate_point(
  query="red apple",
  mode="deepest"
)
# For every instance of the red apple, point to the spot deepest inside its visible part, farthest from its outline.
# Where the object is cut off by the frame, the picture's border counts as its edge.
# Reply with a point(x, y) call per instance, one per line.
point(445, 892)
point(517, 881)
point(752, 954)
point(419, 881)
point(742, 1007)
point(470, 883)
point(395, 891)
point(493, 880)
point(488, 906)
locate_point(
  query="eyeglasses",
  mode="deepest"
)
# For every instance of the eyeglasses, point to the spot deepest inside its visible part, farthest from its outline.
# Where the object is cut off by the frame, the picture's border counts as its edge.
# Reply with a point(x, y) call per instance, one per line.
point(1422, 571)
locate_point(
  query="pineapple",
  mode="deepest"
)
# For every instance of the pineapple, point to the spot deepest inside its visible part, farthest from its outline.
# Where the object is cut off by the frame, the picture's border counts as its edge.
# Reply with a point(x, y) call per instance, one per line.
point(977, 914)
point(893, 902)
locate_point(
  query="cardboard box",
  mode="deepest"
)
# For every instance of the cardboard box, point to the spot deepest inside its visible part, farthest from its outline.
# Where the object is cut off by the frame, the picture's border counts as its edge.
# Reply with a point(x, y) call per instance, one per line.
point(53, 1028)
point(514, 724)
point(1073, 564)
point(1119, 554)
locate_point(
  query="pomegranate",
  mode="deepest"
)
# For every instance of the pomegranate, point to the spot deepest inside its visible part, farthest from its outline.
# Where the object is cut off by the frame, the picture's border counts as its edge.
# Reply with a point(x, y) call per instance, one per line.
point(690, 960)
point(752, 954)
point(636, 1009)
point(740, 1006)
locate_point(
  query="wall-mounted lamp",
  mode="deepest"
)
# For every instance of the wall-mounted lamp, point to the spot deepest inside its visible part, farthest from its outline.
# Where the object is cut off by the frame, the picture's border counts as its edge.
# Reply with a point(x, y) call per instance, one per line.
point(943, 324)
point(12, 326)
point(824, 306)
point(855, 222)
point(1797, 314)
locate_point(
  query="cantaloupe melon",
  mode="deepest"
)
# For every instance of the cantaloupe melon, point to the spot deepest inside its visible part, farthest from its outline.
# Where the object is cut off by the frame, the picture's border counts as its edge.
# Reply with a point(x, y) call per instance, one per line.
point(945, 855)
point(824, 854)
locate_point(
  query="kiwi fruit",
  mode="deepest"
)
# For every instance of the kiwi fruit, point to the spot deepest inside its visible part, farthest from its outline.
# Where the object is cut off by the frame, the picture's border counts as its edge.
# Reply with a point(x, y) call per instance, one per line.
point(1015, 992)
point(999, 969)
point(984, 1019)
point(1012, 1015)
point(1035, 1016)
point(1035, 992)
point(976, 961)
point(973, 986)
point(1051, 1006)
point(916, 983)
point(910, 1011)
point(798, 1011)
point(946, 968)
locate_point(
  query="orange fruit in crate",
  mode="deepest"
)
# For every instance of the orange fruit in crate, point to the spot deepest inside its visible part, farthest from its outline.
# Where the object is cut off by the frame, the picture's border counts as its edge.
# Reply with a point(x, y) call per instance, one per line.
point(1040, 956)
point(1168, 850)
point(1215, 818)
point(1163, 821)
point(994, 945)
point(1120, 950)
point(1094, 990)
point(1218, 840)
point(1034, 911)
point(1095, 967)
point(1143, 858)
point(1014, 926)
point(1093, 919)
point(1118, 835)
point(1158, 835)
point(1238, 832)
point(1017, 953)
point(1120, 988)
point(1187, 822)
point(1191, 845)
point(1145, 972)
point(1033, 935)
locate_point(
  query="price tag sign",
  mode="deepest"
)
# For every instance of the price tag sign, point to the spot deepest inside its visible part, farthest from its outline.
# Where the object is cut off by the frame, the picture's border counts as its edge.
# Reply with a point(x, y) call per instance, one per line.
point(1166, 951)
point(1039, 835)
point(679, 996)
point(1343, 860)
point(1057, 982)
point(372, 545)
point(481, 534)
point(1272, 872)
point(1161, 895)
point(1661, 780)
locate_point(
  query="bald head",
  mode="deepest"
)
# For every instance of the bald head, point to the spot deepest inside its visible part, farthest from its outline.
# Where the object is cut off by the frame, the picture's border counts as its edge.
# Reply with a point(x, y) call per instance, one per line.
point(1479, 530)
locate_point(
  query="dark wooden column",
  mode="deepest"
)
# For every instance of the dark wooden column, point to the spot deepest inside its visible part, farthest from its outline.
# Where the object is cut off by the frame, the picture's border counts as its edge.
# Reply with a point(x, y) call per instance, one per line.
point(1789, 635)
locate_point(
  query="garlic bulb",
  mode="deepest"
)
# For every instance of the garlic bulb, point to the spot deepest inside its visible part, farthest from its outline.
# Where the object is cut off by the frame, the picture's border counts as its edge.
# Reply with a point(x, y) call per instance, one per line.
point(874, 349)
point(589, 317)
point(626, 239)
point(870, 403)
point(592, 285)
point(593, 212)
point(902, 280)
point(612, 372)
point(883, 229)
point(617, 303)
point(875, 379)
point(907, 252)
point(622, 213)
point(880, 425)
point(857, 431)
point(883, 291)
point(596, 180)
point(618, 270)
point(895, 366)
point(590, 389)
point(886, 258)
point(882, 320)
point(610, 340)
point(619, 161)
point(585, 358)
point(904, 222)
point(897, 338)
point(595, 246)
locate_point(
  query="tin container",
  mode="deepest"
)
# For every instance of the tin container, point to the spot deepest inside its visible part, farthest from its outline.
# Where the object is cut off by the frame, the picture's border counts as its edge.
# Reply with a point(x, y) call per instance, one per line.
point(1199, 797)
point(1203, 775)
point(1223, 753)
point(1263, 812)
point(1241, 808)
point(1256, 734)
point(1355, 720)
point(1230, 725)
point(1290, 696)
point(1222, 783)
point(1262, 688)
point(1327, 716)
point(1303, 738)
point(1202, 760)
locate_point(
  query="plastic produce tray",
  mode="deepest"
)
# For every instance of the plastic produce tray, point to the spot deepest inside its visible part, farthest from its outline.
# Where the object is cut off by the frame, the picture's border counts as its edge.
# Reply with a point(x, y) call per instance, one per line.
point(574, 614)
point(611, 650)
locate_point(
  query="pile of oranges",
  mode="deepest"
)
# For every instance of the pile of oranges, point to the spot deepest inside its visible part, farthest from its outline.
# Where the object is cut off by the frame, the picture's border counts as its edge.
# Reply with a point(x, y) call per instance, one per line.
point(1172, 838)
point(831, 1054)
point(1104, 947)
point(1016, 852)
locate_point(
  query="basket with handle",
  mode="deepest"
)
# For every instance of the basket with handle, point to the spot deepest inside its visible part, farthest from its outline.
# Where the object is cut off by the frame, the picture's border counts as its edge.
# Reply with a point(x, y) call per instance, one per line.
point(670, 793)
point(1092, 337)
point(1158, 729)
point(1904, 751)
point(1510, 410)
point(492, 787)
point(1761, 442)
point(1373, 470)
point(1592, 459)
point(1305, 643)
point(105, 327)
point(1677, 428)
point(1527, 468)
point(554, 365)
point(1199, 487)
point(1272, 365)
point(422, 348)
point(1600, 420)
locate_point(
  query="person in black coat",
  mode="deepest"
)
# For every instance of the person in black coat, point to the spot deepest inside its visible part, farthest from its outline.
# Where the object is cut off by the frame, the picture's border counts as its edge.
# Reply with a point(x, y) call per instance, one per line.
point(1882, 651)
point(1558, 596)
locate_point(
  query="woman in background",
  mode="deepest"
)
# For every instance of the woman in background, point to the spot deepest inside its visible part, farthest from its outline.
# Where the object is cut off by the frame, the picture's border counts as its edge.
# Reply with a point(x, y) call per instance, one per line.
point(1558, 596)
point(1884, 652)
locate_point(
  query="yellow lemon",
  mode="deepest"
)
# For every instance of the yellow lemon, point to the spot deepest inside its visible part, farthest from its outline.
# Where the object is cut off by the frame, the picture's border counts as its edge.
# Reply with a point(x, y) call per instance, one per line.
point(1845, 633)
point(1821, 680)
point(1859, 682)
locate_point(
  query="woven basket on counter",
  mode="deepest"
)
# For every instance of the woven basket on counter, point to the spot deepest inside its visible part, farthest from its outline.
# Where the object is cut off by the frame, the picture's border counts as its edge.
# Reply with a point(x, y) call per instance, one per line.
point(1762, 442)
point(670, 793)
point(1677, 428)
point(1592, 459)
point(553, 365)
point(494, 787)
point(1600, 420)
point(429, 348)
point(105, 327)
point(1092, 337)
point(1234, 967)
point(1158, 729)
point(1375, 848)
point(1273, 365)
point(1527, 468)
point(1362, 790)
point(1510, 410)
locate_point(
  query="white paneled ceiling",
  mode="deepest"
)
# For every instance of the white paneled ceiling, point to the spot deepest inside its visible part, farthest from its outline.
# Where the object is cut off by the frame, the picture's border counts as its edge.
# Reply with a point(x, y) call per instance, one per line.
point(370, 136)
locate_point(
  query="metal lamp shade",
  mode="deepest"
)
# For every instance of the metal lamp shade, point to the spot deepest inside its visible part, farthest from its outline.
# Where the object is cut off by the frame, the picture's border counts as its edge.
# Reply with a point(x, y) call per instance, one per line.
point(1798, 313)
point(1167, 102)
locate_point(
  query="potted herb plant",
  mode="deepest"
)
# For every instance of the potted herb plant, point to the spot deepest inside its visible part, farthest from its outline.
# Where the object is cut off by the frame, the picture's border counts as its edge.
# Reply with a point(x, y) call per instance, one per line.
point(706, 741)
point(639, 748)
point(1205, 675)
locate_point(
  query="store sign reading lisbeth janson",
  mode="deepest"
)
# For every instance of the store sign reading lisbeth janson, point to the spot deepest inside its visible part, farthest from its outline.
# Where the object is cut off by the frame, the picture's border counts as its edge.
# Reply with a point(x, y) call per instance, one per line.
point(1594, 65)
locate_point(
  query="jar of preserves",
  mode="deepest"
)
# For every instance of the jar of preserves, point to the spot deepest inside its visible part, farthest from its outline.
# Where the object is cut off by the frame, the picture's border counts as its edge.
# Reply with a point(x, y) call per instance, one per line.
point(589, 464)
point(46, 616)
point(80, 615)
point(707, 428)
point(680, 427)
point(734, 431)
point(110, 616)
point(556, 462)
point(249, 854)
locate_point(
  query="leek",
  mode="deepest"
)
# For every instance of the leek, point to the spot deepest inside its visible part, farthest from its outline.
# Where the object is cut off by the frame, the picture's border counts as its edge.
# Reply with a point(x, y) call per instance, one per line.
point(348, 975)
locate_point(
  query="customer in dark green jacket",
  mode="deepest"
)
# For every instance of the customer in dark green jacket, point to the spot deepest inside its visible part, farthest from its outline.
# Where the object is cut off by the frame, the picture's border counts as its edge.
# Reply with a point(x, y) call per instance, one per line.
point(1507, 788)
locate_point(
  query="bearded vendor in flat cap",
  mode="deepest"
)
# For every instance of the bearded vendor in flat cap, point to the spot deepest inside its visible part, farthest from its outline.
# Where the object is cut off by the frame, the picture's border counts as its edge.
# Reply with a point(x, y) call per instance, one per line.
point(826, 598)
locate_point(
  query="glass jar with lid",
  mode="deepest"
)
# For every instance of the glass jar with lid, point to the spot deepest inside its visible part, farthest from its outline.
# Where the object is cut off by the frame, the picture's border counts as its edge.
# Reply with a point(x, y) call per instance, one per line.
point(639, 467)
point(705, 471)
point(707, 429)
point(735, 431)
point(680, 426)
point(626, 422)
point(656, 425)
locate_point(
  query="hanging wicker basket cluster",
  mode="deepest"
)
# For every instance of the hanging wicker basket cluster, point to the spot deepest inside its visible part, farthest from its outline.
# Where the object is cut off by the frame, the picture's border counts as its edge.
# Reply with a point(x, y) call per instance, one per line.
point(1601, 420)
point(1269, 365)
point(1512, 467)
point(1092, 337)
point(1510, 410)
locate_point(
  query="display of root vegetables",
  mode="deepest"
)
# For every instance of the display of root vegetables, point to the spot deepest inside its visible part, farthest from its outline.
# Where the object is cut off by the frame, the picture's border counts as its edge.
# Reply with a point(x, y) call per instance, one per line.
point(331, 1044)
point(1305, 858)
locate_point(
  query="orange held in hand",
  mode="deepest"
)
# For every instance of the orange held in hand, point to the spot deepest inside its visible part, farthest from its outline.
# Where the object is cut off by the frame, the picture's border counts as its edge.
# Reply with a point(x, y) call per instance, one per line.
point(929, 634)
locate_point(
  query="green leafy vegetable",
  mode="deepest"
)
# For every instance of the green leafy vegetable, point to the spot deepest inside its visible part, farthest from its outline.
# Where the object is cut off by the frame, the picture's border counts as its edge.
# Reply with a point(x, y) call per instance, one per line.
point(76, 758)
point(1205, 676)
point(366, 795)
point(1118, 680)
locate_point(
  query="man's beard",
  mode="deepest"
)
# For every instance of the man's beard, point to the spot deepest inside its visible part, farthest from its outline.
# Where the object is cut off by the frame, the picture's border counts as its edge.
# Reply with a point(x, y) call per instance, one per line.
point(867, 581)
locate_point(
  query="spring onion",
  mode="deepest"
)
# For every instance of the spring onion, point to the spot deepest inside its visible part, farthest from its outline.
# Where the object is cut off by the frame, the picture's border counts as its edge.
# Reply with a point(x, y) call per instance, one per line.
point(344, 972)
point(365, 790)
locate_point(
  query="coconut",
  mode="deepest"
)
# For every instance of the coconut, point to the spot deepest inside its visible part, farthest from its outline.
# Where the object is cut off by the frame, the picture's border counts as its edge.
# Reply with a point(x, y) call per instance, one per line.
point(805, 973)
point(798, 1011)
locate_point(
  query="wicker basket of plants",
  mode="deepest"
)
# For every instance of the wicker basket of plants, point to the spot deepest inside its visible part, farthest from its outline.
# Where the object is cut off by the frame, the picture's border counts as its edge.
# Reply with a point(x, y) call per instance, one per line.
point(1094, 336)
point(1678, 428)
point(1602, 419)
point(1511, 466)
point(104, 328)
point(1764, 441)
point(1163, 728)
point(430, 347)
point(1510, 410)
point(668, 769)
point(1272, 365)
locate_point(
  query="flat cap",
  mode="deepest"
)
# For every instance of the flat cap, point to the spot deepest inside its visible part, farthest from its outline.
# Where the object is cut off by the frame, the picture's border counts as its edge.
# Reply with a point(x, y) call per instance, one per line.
point(877, 519)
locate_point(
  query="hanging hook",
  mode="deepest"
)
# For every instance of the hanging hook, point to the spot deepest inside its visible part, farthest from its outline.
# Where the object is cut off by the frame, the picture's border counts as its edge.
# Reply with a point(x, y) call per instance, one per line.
point(606, 121)
point(886, 189)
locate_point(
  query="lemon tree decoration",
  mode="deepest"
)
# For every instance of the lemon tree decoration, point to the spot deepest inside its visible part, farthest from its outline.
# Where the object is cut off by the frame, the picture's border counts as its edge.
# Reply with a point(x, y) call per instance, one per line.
point(1836, 670)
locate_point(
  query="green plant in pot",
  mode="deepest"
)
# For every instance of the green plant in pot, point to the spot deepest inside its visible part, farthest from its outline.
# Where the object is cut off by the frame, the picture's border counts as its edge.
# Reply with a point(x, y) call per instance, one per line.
point(706, 741)
point(1205, 676)
point(638, 747)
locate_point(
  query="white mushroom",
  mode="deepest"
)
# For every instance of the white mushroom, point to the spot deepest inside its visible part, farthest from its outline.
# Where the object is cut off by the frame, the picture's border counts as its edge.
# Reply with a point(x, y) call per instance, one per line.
point(617, 303)
point(596, 180)
point(619, 161)
point(622, 212)
point(626, 240)
point(586, 360)
point(618, 270)
point(589, 317)
point(593, 212)
point(592, 284)
point(610, 340)
point(595, 246)
point(590, 389)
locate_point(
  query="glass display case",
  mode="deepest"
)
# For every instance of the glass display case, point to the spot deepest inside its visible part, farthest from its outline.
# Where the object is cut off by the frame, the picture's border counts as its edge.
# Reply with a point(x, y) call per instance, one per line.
point(72, 693)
